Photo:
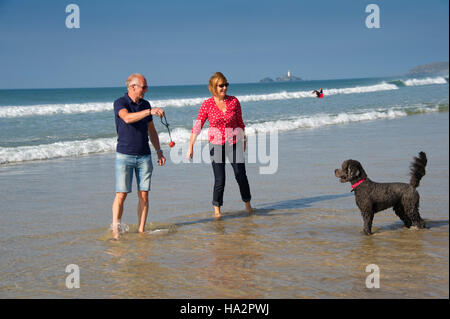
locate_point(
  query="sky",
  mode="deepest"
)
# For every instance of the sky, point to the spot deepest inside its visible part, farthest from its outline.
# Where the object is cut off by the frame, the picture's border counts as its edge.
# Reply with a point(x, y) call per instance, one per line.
point(182, 42)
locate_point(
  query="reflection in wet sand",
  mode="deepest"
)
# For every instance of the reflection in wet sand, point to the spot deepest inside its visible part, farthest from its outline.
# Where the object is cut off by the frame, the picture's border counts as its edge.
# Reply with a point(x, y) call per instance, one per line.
point(281, 254)
point(275, 252)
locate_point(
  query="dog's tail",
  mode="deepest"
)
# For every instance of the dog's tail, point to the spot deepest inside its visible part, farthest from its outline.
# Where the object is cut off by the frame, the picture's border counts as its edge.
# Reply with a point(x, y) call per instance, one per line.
point(418, 169)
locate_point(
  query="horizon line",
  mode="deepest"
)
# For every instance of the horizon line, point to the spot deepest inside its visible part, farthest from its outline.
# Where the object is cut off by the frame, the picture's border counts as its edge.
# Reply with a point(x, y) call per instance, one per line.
point(206, 84)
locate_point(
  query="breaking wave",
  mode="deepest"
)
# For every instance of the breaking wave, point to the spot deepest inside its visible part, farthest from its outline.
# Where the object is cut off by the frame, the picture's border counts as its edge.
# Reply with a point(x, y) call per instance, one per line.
point(49, 109)
point(420, 82)
point(181, 135)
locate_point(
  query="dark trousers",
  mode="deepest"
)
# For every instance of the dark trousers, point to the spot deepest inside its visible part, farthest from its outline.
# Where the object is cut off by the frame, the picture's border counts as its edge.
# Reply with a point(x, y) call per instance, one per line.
point(235, 155)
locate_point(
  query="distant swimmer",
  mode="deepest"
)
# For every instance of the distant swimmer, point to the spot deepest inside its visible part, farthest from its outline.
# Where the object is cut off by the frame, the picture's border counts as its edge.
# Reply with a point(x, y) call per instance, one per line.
point(319, 93)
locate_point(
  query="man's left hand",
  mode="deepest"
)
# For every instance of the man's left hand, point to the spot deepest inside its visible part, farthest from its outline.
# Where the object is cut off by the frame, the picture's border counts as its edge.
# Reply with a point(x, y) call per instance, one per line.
point(161, 159)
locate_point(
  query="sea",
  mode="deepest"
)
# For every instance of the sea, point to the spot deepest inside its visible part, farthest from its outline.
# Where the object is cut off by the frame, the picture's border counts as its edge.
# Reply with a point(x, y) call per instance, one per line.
point(45, 124)
point(303, 240)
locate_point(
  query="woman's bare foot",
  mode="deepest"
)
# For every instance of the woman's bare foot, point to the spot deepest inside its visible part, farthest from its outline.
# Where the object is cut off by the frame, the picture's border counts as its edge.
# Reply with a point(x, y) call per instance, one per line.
point(217, 213)
point(248, 207)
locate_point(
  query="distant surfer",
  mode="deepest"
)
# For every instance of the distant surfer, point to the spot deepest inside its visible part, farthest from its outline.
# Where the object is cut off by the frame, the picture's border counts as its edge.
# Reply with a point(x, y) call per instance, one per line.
point(318, 93)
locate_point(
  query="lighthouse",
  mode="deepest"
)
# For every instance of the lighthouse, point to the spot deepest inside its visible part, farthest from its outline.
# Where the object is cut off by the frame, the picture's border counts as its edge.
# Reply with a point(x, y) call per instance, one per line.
point(289, 74)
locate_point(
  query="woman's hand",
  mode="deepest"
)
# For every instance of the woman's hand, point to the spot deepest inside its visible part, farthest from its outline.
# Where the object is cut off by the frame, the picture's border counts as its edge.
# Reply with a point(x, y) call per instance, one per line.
point(190, 153)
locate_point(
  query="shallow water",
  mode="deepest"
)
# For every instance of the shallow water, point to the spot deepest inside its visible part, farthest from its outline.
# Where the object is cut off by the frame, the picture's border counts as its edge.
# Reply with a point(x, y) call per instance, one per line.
point(303, 241)
point(293, 253)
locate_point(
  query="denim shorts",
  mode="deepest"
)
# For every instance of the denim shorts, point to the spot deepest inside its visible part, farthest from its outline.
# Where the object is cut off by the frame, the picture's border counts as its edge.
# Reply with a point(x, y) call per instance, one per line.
point(126, 165)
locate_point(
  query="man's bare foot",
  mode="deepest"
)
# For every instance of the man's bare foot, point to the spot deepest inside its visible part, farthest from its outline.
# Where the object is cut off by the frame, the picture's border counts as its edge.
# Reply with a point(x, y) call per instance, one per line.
point(248, 208)
point(115, 231)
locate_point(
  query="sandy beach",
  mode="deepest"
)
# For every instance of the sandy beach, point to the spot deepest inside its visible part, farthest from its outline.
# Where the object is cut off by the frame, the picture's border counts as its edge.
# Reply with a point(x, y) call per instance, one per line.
point(303, 241)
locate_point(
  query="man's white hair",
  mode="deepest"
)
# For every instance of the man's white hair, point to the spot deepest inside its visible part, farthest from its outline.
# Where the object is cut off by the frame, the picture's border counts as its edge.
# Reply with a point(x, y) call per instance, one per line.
point(132, 79)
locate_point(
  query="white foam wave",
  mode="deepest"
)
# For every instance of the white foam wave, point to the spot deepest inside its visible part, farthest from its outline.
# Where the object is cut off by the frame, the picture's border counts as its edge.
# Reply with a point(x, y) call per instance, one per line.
point(50, 109)
point(21, 111)
point(425, 81)
point(178, 102)
point(182, 135)
point(56, 150)
point(322, 120)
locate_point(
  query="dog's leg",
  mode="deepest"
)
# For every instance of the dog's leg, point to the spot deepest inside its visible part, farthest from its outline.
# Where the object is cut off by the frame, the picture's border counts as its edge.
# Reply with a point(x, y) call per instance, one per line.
point(368, 219)
point(412, 211)
point(415, 217)
point(400, 212)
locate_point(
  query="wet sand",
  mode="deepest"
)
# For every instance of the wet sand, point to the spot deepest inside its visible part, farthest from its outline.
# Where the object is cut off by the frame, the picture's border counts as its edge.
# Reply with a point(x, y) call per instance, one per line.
point(304, 239)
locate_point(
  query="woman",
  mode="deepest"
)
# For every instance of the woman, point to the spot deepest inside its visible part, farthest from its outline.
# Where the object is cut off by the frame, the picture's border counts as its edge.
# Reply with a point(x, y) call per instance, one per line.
point(226, 138)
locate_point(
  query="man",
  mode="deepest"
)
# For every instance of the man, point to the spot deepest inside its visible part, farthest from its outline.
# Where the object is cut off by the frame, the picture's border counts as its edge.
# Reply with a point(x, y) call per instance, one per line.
point(134, 125)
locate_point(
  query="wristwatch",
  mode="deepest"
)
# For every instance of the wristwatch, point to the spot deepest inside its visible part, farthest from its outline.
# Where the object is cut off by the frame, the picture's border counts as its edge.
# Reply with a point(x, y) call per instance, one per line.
point(159, 151)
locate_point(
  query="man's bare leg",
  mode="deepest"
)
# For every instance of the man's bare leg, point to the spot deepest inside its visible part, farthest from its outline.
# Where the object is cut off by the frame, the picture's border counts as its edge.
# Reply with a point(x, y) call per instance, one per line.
point(142, 210)
point(117, 210)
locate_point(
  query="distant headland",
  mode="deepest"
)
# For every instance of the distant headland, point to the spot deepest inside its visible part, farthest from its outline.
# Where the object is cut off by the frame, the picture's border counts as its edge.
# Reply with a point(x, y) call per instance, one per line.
point(284, 78)
point(430, 69)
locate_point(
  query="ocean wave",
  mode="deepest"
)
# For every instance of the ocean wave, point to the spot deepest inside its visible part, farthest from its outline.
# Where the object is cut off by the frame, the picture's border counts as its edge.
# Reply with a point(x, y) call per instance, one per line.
point(56, 150)
point(425, 81)
point(79, 108)
point(53, 109)
point(420, 82)
point(316, 121)
point(21, 111)
point(182, 135)
point(398, 83)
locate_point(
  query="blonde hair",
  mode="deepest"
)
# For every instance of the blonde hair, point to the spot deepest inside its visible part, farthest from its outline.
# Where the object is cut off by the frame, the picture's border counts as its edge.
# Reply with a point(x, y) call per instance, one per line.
point(131, 79)
point(216, 78)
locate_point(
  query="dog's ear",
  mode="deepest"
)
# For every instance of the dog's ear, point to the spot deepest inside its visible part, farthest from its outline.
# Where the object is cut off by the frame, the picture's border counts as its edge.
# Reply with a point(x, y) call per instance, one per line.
point(353, 171)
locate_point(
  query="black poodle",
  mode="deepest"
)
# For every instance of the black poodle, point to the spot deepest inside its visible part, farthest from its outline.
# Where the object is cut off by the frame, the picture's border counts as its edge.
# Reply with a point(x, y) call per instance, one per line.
point(373, 197)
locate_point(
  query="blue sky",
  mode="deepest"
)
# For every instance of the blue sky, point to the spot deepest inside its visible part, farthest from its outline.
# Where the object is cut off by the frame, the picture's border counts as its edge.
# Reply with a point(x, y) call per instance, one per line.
point(176, 42)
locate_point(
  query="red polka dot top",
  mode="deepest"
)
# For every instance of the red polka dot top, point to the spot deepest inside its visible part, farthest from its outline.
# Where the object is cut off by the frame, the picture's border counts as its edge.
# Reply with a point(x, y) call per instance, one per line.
point(223, 126)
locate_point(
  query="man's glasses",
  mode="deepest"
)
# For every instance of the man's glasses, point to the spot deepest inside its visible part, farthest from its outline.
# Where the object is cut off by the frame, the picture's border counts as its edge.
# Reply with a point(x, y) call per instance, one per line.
point(142, 87)
point(223, 85)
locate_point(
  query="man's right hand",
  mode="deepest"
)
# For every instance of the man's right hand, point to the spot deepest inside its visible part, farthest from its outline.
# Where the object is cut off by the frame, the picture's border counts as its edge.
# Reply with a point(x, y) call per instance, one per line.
point(157, 111)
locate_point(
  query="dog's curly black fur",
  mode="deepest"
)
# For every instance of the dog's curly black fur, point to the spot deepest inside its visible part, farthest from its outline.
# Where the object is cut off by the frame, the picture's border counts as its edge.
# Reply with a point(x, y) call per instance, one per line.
point(373, 197)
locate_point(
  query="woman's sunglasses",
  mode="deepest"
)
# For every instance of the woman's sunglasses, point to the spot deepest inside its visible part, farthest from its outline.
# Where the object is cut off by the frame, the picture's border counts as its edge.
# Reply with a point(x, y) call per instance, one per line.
point(223, 85)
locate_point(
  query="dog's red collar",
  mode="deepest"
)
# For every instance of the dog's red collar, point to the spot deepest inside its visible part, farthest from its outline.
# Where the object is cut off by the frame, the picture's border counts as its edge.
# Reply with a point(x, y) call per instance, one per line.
point(357, 184)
